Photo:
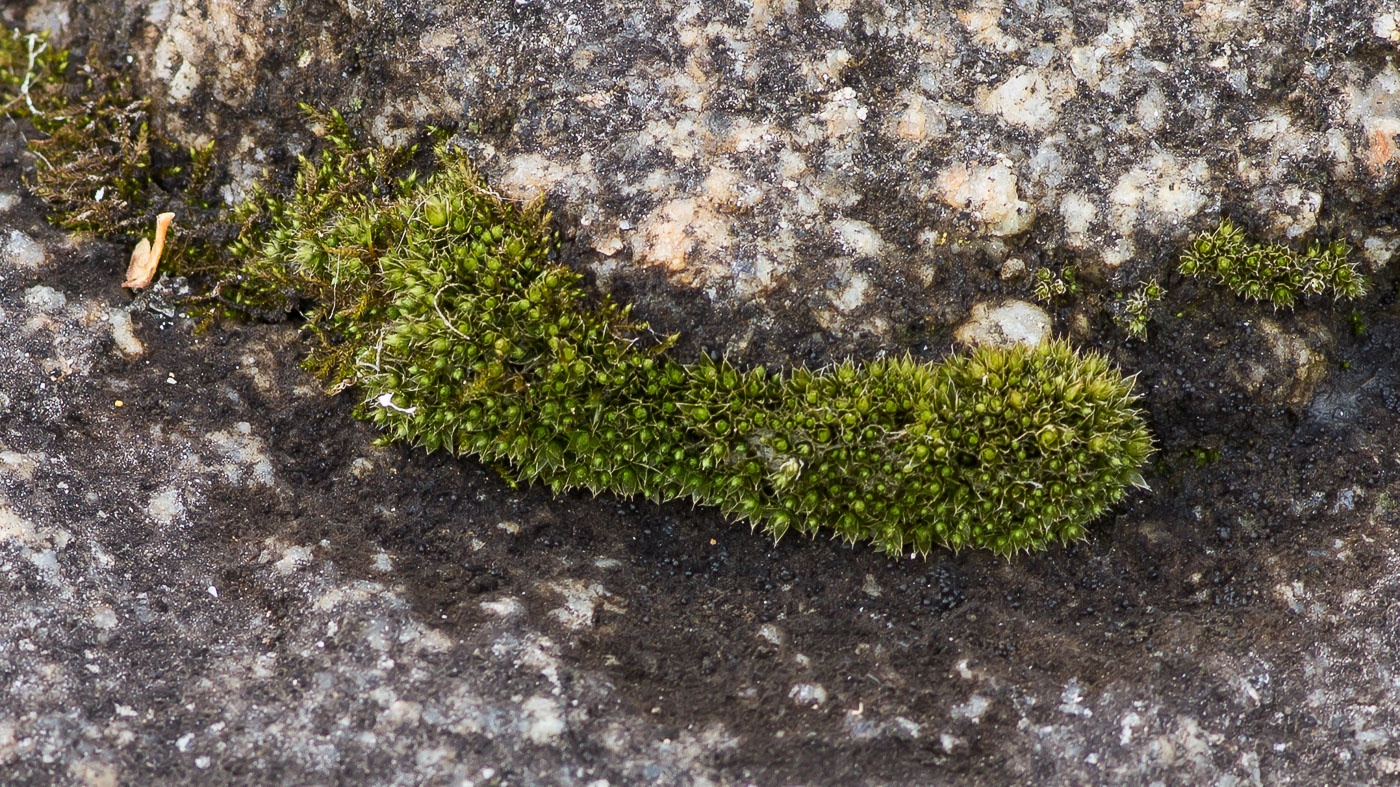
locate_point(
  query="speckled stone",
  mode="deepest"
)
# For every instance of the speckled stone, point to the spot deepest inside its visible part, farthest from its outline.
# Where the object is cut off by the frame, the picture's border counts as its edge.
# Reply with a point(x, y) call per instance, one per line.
point(764, 155)
point(209, 574)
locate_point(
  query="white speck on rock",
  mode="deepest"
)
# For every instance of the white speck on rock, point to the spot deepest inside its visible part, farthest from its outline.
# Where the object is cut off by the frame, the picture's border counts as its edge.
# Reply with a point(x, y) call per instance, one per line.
point(166, 506)
point(21, 466)
point(973, 709)
point(963, 671)
point(45, 299)
point(581, 600)
point(1376, 109)
point(1296, 213)
point(771, 633)
point(244, 456)
point(1163, 192)
point(1380, 251)
point(1130, 720)
point(529, 175)
point(361, 467)
point(504, 607)
point(1071, 700)
point(852, 296)
point(808, 694)
point(1030, 98)
point(22, 251)
point(293, 557)
point(104, 617)
point(1387, 26)
point(1079, 213)
point(982, 22)
point(843, 113)
point(920, 120)
point(124, 334)
point(673, 230)
point(857, 237)
point(543, 720)
point(908, 727)
point(1151, 109)
point(1004, 324)
point(871, 588)
point(184, 82)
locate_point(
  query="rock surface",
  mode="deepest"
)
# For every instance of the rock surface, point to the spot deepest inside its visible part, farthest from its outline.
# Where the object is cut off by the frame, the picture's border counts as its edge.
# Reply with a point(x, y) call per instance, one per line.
point(210, 574)
point(717, 156)
point(1004, 324)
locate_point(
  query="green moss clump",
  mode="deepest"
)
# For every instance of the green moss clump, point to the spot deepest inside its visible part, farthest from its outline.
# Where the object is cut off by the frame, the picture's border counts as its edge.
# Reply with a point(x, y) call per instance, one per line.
point(31, 76)
point(1133, 312)
point(445, 304)
point(1271, 272)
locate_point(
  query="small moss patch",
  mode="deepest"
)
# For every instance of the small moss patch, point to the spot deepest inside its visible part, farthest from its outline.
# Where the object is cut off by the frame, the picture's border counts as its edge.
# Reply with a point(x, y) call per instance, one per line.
point(1269, 271)
point(99, 166)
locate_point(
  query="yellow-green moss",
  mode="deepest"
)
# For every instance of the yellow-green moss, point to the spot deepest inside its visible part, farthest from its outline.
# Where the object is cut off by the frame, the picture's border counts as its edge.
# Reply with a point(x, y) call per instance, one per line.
point(444, 304)
point(446, 307)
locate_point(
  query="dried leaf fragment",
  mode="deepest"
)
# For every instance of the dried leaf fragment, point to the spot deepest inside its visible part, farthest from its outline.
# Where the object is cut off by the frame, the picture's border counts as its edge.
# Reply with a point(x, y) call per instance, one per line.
point(146, 256)
point(137, 274)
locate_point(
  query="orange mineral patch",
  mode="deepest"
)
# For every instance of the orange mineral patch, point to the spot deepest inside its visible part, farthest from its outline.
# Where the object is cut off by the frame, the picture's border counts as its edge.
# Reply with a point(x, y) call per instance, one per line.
point(1382, 150)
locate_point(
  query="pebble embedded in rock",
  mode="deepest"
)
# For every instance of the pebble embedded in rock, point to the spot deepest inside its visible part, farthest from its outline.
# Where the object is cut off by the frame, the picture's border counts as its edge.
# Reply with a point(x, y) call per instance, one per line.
point(21, 251)
point(1004, 324)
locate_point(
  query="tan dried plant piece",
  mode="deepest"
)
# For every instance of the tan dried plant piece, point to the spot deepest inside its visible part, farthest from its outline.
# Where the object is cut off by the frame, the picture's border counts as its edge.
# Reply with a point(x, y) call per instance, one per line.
point(146, 256)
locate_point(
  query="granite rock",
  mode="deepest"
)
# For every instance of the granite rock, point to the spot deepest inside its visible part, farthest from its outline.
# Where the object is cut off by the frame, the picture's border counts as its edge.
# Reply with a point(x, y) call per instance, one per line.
point(210, 573)
point(714, 156)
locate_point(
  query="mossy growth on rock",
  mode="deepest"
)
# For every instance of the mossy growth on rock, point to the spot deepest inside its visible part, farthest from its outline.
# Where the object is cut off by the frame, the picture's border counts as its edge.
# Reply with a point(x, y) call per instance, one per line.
point(445, 306)
point(1269, 271)
point(98, 165)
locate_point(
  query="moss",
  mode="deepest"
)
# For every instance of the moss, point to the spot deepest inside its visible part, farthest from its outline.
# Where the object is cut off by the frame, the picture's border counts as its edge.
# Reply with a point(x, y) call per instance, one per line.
point(1050, 285)
point(1271, 272)
point(99, 166)
point(445, 305)
point(31, 76)
point(1133, 312)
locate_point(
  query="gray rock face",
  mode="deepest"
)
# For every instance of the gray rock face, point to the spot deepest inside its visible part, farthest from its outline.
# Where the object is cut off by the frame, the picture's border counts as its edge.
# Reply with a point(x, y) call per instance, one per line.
point(844, 166)
point(209, 573)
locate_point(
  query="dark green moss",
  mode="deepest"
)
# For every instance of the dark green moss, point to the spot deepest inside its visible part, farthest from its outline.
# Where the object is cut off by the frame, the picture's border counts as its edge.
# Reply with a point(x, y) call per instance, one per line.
point(1133, 312)
point(1271, 272)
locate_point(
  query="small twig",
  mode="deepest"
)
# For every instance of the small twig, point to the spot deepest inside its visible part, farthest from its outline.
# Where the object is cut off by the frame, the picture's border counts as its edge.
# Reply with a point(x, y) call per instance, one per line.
point(29, 72)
